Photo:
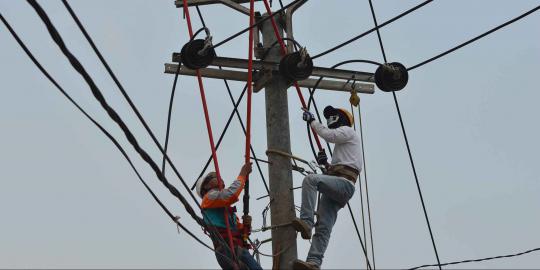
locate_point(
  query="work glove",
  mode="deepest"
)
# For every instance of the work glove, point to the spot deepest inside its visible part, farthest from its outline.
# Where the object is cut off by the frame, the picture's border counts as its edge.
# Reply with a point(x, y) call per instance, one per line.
point(308, 117)
point(322, 159)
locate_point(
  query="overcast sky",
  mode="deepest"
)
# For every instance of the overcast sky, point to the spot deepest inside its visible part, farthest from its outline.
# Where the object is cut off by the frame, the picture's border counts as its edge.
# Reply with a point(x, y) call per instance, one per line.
point(68, 199)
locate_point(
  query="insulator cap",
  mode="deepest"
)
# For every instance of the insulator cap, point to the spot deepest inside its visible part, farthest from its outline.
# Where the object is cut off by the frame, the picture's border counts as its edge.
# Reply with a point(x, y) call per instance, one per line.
point(391, 77)
point(191, 57)
point(291, 67)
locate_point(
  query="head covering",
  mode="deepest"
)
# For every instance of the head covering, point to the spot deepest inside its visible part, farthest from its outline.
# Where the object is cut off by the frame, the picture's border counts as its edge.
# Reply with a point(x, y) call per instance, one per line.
point(202, 181)
point(337, 117)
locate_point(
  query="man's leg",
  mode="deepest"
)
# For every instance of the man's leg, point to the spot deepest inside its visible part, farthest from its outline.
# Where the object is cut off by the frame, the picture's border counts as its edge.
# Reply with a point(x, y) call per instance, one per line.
point(336, 192)
point(327, 218)
point(309, 198)
point(248, 260)
point(335, 188)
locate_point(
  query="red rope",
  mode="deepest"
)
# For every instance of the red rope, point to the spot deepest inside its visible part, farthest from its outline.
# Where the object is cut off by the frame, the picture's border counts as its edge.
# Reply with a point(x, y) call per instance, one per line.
point(210, 136)
point(283, 52)
point(249, 80)
point(247, 227)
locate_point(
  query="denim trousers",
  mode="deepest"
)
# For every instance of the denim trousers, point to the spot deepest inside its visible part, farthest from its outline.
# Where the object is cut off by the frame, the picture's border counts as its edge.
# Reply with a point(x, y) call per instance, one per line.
point(247, 262)
point(336, 192)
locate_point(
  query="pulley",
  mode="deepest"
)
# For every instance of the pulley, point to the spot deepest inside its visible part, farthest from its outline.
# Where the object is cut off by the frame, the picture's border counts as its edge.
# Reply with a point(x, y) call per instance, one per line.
point(198, 53)
point(391, 77)
point(354, 99)
point(296, 66)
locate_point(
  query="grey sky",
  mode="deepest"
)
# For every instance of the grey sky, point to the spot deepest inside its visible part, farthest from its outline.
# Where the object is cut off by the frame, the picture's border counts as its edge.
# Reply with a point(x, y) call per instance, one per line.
point(69, 200)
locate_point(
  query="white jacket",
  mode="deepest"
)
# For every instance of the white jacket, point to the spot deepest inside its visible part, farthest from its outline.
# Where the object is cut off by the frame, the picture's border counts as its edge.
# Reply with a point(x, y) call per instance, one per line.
point(347, 149)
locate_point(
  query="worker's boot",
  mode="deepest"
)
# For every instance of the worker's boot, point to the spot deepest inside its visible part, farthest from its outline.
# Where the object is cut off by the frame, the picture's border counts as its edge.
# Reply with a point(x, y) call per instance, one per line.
point(301, 265)
point(302, 227)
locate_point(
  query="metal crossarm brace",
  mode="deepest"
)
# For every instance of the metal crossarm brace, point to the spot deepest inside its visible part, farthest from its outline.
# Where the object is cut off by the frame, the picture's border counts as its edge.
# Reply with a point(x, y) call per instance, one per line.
point(266, 68)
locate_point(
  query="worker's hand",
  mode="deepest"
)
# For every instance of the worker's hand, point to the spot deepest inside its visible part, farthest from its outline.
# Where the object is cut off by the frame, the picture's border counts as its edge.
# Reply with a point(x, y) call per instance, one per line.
point(246, 169)
point(308, 116)
point(246, 219)
point(322, 158)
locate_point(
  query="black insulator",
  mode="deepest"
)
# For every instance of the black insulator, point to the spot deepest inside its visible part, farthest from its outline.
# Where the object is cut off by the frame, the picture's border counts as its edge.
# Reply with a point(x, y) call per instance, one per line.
point(194, 57)
point(391, 77)
point(294, 68)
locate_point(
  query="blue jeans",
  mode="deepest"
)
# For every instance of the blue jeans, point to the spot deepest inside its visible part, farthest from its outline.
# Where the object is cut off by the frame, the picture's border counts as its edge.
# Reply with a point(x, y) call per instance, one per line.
point(336, 192)
point(246, 260)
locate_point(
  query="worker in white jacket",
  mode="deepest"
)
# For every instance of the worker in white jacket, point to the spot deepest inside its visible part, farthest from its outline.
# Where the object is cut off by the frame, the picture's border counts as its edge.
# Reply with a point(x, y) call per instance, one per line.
point(336, 185)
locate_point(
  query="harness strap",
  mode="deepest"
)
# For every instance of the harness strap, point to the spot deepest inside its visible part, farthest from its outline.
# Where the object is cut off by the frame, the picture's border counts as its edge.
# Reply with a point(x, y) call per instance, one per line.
point(344, 171)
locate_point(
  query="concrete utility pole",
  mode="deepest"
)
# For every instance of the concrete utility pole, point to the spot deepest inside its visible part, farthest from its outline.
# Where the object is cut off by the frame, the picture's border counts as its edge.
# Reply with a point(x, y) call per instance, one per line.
point(279, 170)
point(277, 113)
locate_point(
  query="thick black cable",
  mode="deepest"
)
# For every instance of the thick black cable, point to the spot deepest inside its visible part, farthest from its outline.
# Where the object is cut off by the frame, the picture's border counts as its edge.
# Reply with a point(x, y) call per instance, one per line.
point(161, 176)
point(105, 132)
point(128, 99)
point(479, 260)
point(371, 30)
point(407, 144)
point(235, 111)
point(110, 111)
point(474, 39)
point(169, 117)
point(256, 24)
point(245, 132)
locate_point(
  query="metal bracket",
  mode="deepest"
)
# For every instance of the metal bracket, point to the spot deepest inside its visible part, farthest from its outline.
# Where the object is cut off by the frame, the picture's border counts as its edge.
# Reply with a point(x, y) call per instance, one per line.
point(263, 77)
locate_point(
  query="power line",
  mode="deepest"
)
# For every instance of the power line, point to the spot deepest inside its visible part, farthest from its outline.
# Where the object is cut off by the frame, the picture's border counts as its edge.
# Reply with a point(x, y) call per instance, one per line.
point(101, 128)
point(406, 141)
point(259, 22)
point(475, 39)
point(122, 90)
point(235, 111)
point(371, 30)
point(110, 111)
point(479, 260)
point(169, 117)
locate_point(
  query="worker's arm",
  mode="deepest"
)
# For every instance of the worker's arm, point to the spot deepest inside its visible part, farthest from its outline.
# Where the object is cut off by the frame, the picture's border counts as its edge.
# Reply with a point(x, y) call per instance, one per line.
point(338, 135)
point(227, 196)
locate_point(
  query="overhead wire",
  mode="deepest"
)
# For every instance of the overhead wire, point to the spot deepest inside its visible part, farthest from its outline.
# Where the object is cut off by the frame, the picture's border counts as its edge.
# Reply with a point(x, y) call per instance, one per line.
point(227, 211)
point(102, 129)
point(479, 260)
point(169, 117)
point(210, 228)
point(239, 117)
point(110, 111)
point(259, 22)
point(114, 115)
point(406, 141)
point(128, 99)
point(283, 52)
point(474, 39)
point(371, 30)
